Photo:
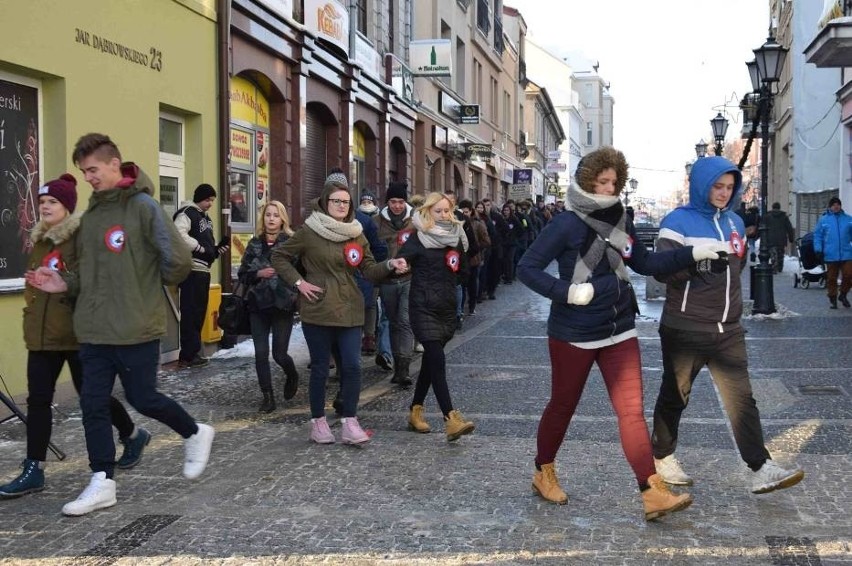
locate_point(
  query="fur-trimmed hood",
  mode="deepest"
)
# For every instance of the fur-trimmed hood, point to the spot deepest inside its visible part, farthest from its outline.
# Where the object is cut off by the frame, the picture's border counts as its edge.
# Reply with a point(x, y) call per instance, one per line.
point(408, 211)
point(59, 233)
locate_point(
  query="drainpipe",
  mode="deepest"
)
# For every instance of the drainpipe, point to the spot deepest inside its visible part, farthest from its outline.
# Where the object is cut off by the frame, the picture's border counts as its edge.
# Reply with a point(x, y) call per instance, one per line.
point(223, 21)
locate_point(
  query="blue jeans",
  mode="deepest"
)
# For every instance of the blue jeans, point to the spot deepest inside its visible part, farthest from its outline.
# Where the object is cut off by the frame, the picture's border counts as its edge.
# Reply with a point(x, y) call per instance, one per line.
point(382, 334)
point(136, 366)
point(320, 340)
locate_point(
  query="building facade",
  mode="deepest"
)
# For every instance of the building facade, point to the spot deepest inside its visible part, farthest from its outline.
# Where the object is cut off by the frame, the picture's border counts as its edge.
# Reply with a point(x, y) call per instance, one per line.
point(142, 72)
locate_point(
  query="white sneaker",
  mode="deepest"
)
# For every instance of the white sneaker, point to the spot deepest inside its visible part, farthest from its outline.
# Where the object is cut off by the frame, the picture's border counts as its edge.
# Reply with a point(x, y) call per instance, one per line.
point(669, 469)
point(197, 450)
point(99, 494)
point(771, 476)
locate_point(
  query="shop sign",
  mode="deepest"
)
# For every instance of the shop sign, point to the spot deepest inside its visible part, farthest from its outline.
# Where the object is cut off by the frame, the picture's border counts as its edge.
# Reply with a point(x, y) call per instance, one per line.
point(519, 192)
point(469, 114)
point(359, 145)
point(367, 57)
point(151, 58)
point(20, 136)
point(554, 154)
point(522, 177)
point(553, 189)
point(262, 148)
point(248, 104)
point(448, 105)
point(401, 78)
point(439, 136)
point(478, 152)
point(431, 57)
point(283, 8)
point(241, 147)
point(329, 20)
point(507, 172)
point(554, 167)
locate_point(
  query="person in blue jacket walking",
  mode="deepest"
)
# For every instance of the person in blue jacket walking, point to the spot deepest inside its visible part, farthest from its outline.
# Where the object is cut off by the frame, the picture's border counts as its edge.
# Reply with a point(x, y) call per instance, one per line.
point(700, 325)
point(833, 241)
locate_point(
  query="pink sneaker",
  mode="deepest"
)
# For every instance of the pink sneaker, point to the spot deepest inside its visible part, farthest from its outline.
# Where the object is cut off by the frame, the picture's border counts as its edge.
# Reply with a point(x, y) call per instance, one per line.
point(320, 433)
point(352, 432)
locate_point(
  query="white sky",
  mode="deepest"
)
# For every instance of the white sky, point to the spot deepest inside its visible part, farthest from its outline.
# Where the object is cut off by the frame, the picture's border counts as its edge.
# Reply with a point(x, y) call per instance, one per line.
point(672, 65)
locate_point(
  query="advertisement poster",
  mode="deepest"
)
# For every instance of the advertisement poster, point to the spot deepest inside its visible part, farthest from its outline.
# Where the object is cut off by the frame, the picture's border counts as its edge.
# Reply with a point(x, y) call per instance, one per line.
point(19, 177)
point(262, 166)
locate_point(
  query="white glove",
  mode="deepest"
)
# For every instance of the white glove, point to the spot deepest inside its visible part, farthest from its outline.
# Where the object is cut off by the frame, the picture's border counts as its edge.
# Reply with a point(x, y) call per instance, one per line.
point(707, 251)
point(580, 293)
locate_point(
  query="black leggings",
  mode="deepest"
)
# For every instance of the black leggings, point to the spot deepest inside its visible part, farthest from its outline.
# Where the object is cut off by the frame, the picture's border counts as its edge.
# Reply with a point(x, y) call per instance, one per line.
point(433, 371)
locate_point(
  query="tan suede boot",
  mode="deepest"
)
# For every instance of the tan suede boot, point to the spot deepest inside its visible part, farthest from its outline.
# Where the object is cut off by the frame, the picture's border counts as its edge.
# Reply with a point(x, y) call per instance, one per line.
point(456, 426)
point(659, 500)
point(546, 485)
point(416, 422)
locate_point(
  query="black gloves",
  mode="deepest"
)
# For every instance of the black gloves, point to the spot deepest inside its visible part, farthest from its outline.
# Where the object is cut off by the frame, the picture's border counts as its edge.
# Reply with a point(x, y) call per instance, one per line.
point(708, 266)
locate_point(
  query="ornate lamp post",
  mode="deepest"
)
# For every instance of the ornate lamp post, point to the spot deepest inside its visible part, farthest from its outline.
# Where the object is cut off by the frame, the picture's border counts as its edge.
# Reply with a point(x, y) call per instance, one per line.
point(701, 149)
point(633, 184)
point(764, 71)
point(720, 128)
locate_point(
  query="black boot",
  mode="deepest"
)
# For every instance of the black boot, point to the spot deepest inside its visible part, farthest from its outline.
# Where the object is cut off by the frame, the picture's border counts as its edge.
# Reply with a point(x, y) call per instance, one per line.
point(833, 301)
point(400, 374)
point(268, 403)
point(338, 403)
point(843, 300)
point(291, 385)
point(396, 369)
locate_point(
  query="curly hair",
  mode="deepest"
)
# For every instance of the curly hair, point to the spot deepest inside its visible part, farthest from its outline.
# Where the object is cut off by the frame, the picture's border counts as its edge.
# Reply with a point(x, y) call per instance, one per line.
point(592, 164)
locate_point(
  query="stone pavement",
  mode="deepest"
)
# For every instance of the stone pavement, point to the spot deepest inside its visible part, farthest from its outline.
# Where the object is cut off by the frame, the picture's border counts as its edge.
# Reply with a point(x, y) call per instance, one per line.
point(270, 497)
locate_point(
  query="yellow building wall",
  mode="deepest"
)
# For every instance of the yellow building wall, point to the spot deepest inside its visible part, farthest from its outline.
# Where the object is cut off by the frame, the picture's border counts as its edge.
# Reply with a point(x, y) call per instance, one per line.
point(87, 87)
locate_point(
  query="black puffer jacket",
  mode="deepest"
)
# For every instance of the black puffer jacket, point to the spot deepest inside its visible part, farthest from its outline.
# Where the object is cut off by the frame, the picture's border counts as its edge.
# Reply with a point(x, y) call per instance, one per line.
point(432, 298)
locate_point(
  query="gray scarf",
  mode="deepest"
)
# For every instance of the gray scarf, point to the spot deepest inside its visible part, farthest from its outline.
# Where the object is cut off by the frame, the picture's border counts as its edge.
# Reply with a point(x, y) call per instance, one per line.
point(606, 217)
point(441, 235)
point(331, 229)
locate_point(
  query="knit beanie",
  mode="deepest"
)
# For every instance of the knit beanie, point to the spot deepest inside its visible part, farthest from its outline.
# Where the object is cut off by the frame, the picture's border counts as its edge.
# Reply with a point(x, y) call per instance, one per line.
point(63, 189)
point(336, 181)
point(368, 196)
point(203, 192)
point(397, 189)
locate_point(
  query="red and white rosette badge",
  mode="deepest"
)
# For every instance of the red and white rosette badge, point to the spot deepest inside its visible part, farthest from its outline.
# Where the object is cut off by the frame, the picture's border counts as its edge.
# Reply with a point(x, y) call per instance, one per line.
point(737, 242)
point(354, 253)
point(402, 236)
point(627, 252)
point(453, 260)
point(53, 261)
point(115, 239)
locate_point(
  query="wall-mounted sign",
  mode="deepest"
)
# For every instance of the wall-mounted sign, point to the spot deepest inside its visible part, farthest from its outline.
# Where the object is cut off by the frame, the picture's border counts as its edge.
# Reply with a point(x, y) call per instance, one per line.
point(431, 57)
point(151, 57)
point(367, 57)
point(401, 78)
point(478, 152)
point(554, 154)
point(448, 105)
point(469, 114)
point(507, 172)
point(520, 192)
point(330, 21)
point(283, 8)
point(522, 177)
point(553, 189)
point(241, 147)
point(554, 167)
point(439, 136)
point(248, 104)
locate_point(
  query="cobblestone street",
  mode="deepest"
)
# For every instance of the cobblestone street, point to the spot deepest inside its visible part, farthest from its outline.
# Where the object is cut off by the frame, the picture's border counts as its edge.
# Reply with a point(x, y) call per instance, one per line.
point(270, 497)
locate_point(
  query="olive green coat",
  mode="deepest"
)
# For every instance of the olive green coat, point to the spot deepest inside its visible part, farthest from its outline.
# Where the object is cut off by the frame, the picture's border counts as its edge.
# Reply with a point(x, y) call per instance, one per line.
point(326, 266)
point(48, 316)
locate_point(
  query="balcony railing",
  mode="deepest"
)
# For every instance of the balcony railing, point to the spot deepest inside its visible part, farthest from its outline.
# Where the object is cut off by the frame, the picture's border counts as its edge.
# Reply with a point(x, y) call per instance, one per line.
point(483, 18)
point(499, 46)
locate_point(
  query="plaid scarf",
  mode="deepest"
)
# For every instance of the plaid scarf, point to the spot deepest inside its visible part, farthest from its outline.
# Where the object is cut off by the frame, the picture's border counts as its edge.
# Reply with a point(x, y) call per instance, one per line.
point(605, 216)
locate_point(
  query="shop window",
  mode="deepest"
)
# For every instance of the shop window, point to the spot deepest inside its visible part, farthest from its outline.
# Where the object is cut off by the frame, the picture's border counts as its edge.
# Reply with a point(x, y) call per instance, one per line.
point(172, 163)
point(20, 174)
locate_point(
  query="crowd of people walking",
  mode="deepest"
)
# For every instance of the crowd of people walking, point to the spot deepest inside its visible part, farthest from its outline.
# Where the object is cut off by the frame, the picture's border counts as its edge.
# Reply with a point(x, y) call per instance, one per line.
point(396, 279)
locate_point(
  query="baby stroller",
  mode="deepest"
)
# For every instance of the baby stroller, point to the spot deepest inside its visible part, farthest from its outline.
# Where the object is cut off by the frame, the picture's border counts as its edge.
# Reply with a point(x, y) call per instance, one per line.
point(811, 270)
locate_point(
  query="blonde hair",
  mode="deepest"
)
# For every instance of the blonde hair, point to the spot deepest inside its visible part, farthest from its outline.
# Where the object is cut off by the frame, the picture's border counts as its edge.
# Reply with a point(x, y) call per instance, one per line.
point(425, 210)
point(282, 212)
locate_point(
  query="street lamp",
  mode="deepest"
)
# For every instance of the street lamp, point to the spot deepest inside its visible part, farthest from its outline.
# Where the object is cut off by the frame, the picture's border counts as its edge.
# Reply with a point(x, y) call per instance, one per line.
point(701, 149)
point(720, 128)
point(765, 70)
point(633, 184)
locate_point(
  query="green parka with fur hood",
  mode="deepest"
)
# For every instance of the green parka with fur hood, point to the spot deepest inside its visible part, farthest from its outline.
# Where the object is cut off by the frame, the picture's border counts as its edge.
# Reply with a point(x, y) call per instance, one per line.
point(47, 316)
point(128, 248)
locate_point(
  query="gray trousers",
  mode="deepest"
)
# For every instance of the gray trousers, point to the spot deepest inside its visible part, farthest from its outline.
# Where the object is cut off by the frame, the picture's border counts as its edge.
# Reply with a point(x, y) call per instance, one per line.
point(395, 303)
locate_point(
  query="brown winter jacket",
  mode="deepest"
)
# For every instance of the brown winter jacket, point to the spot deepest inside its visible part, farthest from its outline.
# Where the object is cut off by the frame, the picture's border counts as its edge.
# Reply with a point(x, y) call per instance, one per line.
point(48, 321)
point(326, 266)
point(392, 237)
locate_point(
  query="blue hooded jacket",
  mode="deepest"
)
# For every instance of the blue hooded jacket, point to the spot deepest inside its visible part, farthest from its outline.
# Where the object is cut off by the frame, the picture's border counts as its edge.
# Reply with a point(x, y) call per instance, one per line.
point(833, 236)
point(712, 301)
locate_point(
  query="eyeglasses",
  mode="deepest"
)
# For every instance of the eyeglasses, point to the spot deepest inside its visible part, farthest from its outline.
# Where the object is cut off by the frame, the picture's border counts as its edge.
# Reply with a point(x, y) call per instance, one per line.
point(339, 202)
